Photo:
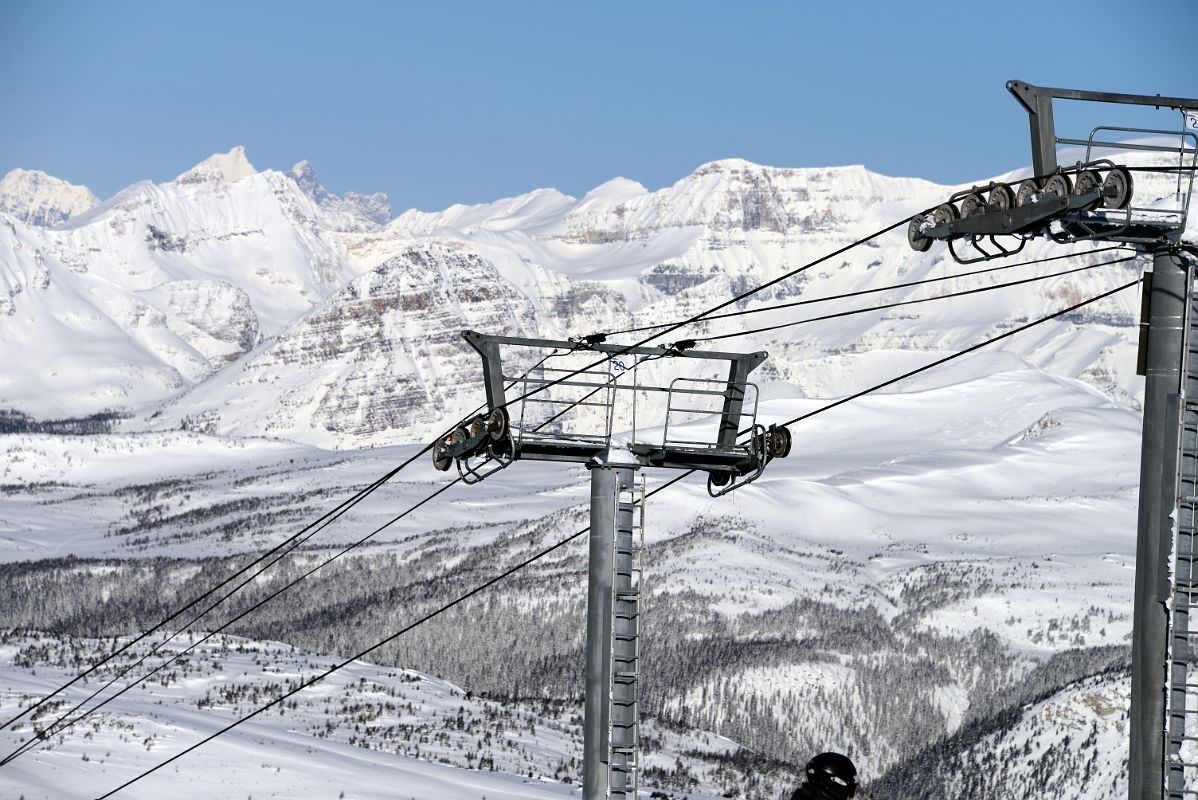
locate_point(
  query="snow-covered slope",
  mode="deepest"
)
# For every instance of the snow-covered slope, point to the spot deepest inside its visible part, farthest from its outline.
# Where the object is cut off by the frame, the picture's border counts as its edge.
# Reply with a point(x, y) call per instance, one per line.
point(75, 343)
point(366, 732)
point(220, 222)
point(384, 354)
point(147, 294)
point(892, 582)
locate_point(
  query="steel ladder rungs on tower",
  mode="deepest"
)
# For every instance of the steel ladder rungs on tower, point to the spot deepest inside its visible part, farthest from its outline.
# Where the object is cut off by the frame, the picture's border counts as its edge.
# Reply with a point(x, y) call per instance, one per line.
point(624, 759)
point(1181, 722)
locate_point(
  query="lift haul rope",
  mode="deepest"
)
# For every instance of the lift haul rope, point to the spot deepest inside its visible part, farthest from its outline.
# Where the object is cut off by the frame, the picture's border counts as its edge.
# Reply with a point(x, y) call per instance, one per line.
point(323, 522)
point(897, 304)
point(967, 350)
point(871, 308)
point(313, 681)
point(157, 647)
point(703, 314)
point(528, 561)
point(876, 290)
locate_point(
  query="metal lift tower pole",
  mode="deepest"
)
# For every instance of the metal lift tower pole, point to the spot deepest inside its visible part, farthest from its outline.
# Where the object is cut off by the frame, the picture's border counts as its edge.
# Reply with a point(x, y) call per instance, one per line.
point(601, 564)
point(1158, 496)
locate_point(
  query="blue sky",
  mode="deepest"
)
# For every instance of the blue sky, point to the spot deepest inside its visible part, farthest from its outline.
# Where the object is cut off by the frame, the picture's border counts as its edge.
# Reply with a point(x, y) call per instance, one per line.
point(436, 103)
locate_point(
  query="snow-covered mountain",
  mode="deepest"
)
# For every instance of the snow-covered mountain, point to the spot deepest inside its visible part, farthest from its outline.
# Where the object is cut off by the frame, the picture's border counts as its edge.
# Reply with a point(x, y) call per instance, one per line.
point(152, 291)
point(939, 571)
point(36, 198)
point(1068, 743)
point(371, 209)
point(207, 294)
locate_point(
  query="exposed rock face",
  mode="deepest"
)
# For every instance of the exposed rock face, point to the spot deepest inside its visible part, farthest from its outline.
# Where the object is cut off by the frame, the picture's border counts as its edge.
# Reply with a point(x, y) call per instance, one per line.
point(36, 198)
point(227, 167)
point(372, 209)
point(383, 355)
point(736, 195)
point(214, 317)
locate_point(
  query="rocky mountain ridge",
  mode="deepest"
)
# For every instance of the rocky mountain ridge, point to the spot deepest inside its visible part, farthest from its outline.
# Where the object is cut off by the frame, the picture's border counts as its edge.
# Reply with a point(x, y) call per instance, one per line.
point(35, 198)
point(193, 284)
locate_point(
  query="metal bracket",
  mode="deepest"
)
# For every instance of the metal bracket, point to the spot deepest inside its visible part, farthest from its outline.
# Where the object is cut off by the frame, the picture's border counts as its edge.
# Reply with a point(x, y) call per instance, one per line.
point(1037, 101)
point(540, 425)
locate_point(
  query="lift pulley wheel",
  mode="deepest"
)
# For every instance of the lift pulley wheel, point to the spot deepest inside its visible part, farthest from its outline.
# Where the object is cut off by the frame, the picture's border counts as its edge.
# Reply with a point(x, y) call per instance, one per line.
point(780, 441)
point(1002, 197)
point(497, 424)
point(919, 243)
point(441, 459)
point(972, 205)
point(945, 213)
point(1117, 188)
point(1026, 192)
point(1058, 185)
point(1089, 180)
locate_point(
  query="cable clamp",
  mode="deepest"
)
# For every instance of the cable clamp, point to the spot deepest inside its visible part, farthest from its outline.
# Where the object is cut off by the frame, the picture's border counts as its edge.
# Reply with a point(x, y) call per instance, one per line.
point(589, 340)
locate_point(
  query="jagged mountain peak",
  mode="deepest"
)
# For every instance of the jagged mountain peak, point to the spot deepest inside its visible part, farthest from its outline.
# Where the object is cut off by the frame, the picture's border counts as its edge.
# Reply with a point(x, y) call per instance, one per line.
point(303, 167)
point(373, 209)
point(36, 198)
point(229, 167)
point(304, 174)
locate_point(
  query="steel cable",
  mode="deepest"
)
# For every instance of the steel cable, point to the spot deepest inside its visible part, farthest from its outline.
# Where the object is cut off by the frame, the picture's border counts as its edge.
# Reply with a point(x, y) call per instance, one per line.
point(876, 290)
point(296, 540)
point(897, 304)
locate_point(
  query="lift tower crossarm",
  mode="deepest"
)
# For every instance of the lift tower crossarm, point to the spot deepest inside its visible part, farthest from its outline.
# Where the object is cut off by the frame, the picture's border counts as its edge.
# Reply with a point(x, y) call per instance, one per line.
point(1037, 100)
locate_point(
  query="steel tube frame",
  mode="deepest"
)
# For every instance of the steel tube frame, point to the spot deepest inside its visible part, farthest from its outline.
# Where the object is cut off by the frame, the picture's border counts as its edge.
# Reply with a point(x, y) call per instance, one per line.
point(1154, 538)
point(1037, 100)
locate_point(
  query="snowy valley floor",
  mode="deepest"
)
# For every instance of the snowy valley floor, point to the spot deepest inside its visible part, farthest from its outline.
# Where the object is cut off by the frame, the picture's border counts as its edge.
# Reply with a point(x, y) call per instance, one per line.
point(927, 573)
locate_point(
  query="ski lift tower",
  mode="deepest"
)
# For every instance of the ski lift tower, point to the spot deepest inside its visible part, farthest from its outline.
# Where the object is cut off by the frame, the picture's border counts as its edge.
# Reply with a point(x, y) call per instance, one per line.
point(1091, 200)
point(572, 401)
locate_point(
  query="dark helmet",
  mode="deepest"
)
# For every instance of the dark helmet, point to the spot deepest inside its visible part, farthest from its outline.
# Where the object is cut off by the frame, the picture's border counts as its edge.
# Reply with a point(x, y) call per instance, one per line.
point(833, 774)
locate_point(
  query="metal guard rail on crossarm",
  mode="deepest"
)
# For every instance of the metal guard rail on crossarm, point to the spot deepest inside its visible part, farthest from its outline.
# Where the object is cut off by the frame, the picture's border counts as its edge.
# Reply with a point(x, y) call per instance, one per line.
point(524, 418)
